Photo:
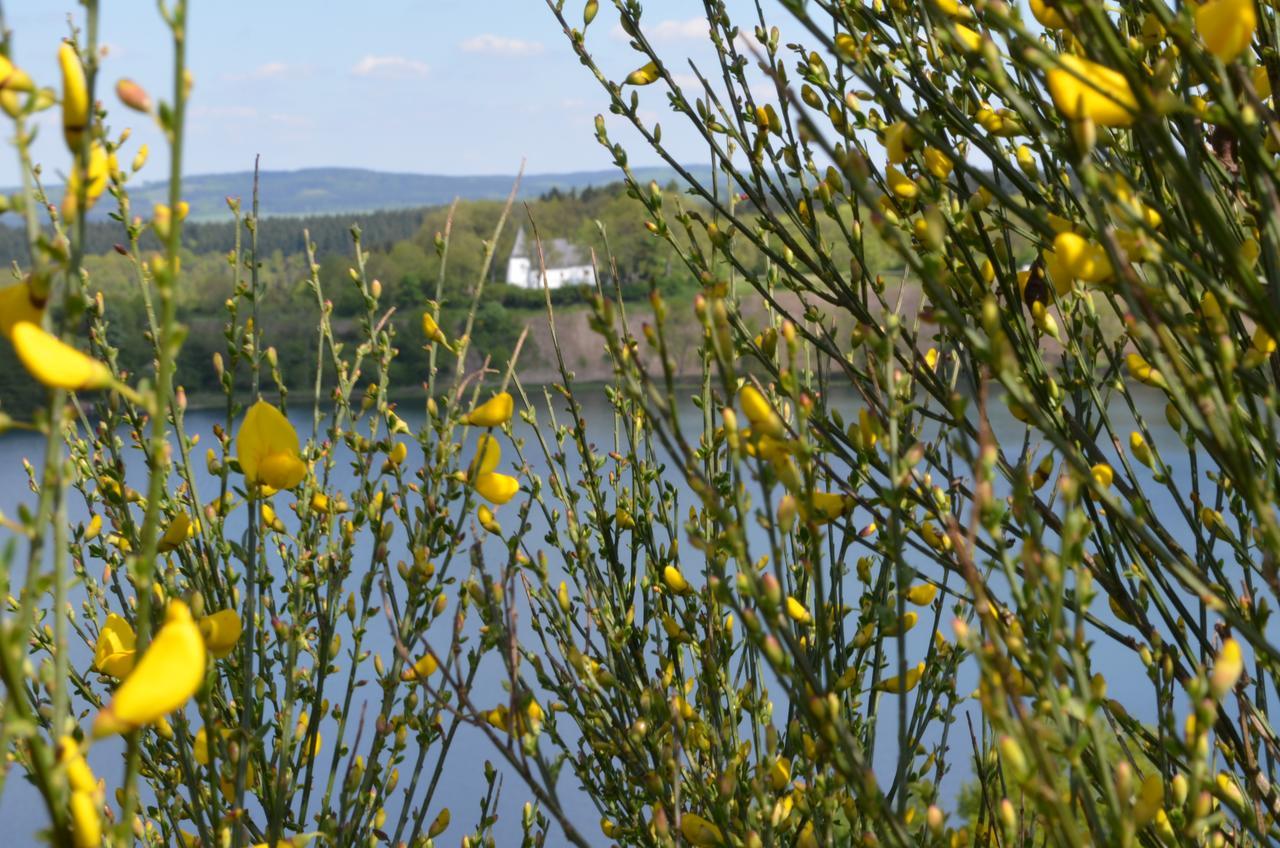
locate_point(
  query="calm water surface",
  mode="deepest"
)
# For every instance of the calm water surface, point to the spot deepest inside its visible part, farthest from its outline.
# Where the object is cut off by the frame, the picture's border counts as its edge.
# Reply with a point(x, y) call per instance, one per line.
point(463, 785)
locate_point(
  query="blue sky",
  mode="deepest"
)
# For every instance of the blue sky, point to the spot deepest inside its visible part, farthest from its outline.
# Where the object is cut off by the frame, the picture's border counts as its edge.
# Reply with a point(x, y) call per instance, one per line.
point(426, 86)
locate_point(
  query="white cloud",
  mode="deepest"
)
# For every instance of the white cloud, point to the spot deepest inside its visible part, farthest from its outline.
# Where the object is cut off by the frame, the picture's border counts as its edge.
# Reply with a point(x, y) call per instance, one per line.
point(272, 71)
point(669, 30)
point(501, 45)
point(395, 67)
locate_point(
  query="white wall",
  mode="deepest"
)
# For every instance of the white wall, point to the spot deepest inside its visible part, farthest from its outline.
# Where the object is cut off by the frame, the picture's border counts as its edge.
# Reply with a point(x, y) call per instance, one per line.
point(518, 272)
point(573, 275)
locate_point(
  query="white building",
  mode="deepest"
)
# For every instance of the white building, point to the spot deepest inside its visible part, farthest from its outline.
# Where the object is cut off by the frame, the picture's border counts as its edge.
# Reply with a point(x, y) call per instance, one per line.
point(567, 265)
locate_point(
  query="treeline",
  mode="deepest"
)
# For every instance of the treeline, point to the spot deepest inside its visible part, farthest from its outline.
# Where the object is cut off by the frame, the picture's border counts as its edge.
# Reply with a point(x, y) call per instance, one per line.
point(329, 233)
point(402, 255)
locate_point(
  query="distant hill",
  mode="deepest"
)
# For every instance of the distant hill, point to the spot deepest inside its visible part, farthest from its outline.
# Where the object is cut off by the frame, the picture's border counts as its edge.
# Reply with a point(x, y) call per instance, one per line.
point(326, 191)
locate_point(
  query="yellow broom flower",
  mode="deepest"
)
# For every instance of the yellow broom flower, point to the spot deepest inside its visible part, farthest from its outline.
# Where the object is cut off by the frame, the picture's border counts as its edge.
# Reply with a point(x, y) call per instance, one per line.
point(1083, 89)
point(492, 486)
point(1143, 371)
point(432, 330)
point(164, 679)
point(760, 413)
point(75, 96)
point(221, 631)
point(674, 581)
point(93, 178)
point(86, 796)
point(828, 506)
point(643, 76)
point(898, 140)
point(700, 832)
point(897, 685)
point(1227, 26)
point(488, 455)
point(19, 303)
point(970, 40)
point(55, 363)
point(922, 594)
point(1227, 669)
point(1048, 17)
point(267, 447)
point(422, 669)
point(178, 531)
point(497, 488)
point(13, 78)
point(115, 650)
point(797, 611)
point(900, 184)
point(937, 163)
point(494, 412)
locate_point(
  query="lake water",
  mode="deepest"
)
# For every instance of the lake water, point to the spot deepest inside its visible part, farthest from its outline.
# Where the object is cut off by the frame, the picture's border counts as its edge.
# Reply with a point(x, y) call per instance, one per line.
point(463, 786)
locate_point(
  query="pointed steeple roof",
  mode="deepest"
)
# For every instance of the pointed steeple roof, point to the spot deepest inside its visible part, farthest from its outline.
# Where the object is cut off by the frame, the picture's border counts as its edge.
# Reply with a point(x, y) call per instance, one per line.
point(520, 251)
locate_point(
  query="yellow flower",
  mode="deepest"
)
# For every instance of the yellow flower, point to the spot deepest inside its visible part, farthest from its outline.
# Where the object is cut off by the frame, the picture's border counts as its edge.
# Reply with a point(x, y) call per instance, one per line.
point(13, 78)
point(1075, 258)
point(1103, 475)
point(895, 684)
point(19, 303)
point(267, 447)
point(760, 413)
point(900, 185)
point(828, 506)
point(797, 611)
point(1227, 669)
point(397, 454)
point(644, 75)
point(55, 363)
point(1227, 26)
point(922, 594)
point(1083, 89)
point(494, 412)
point(221, 631)
point(164, 679)
point(492, 486)
point(86, 796)
point(75, 96)
point(114, 652)
point(93, 179)
point(497, 488)
point(488, 455)
point(937, 163)
point(487, 521)
point(969, 39)
point(178, 531)
point(674, 581)
point(432, 330)
point(780, 774)
point(898, 138)
point(422, 669)
point(699, 831)
point(1047, 15)
point(1143, 371)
